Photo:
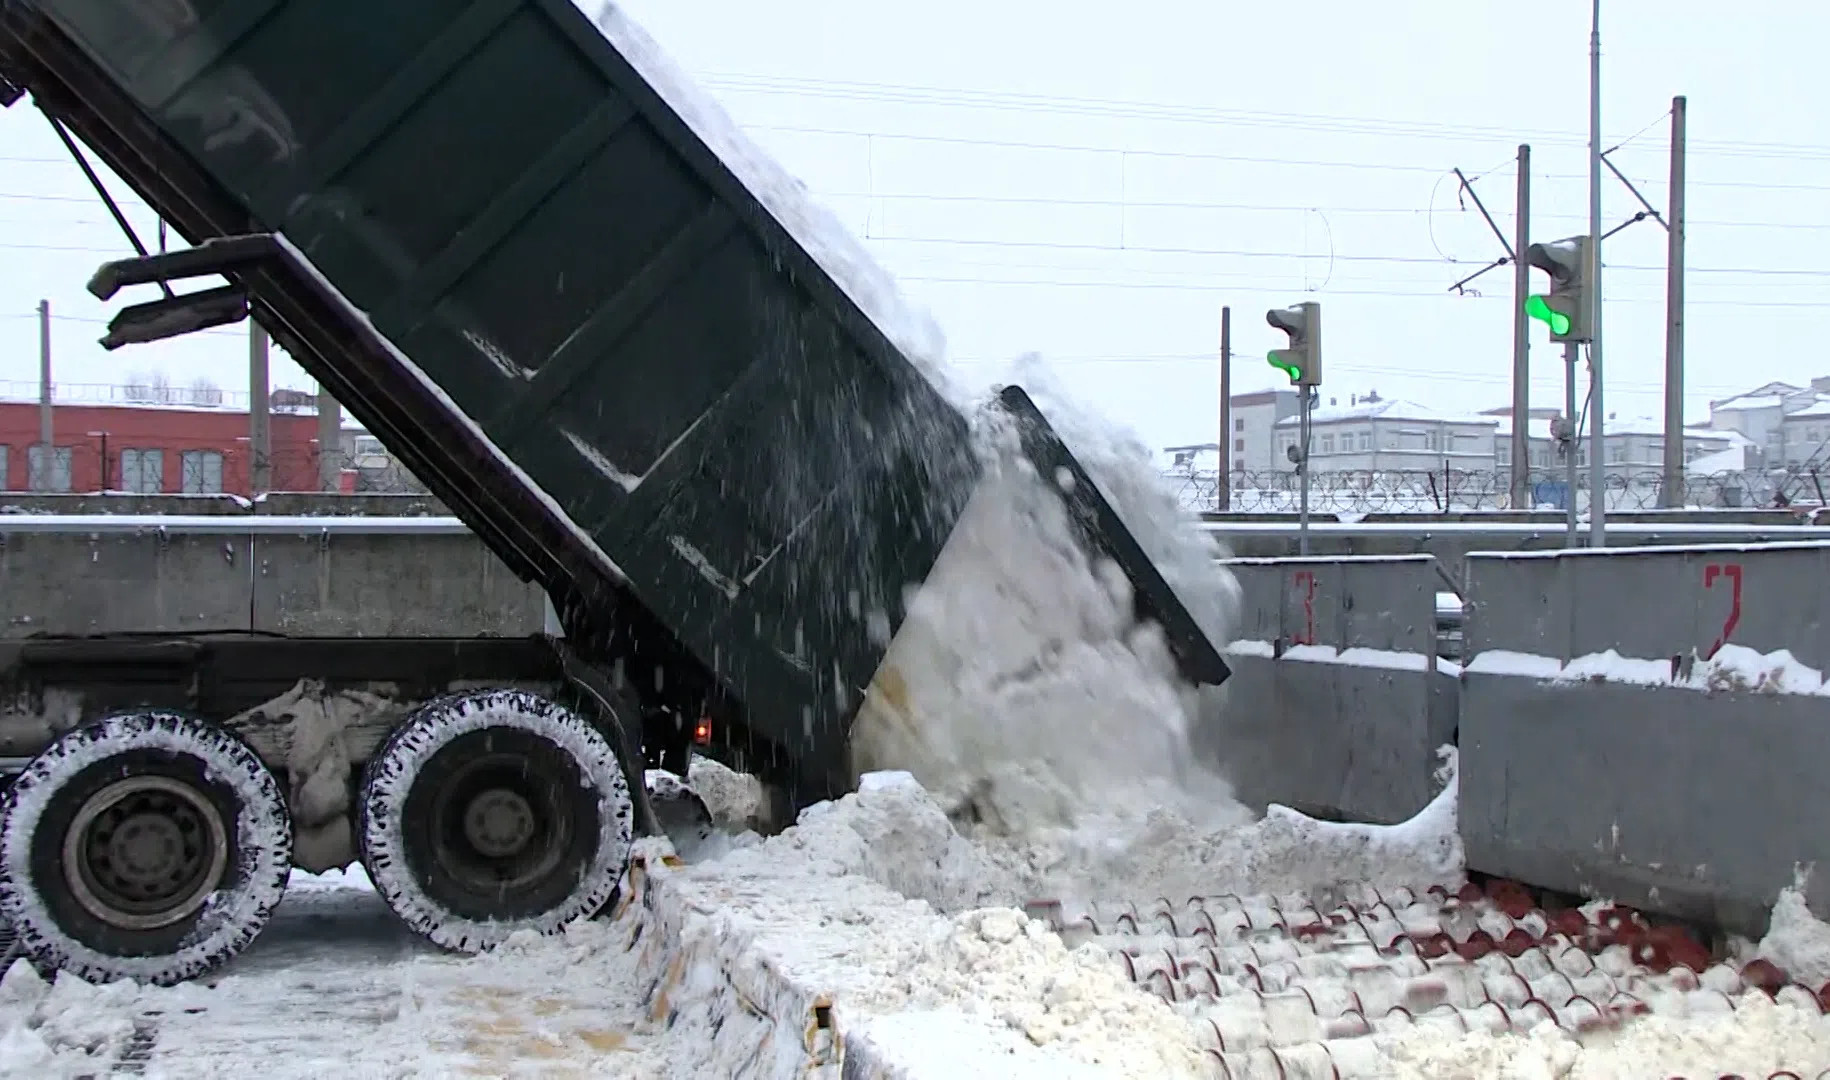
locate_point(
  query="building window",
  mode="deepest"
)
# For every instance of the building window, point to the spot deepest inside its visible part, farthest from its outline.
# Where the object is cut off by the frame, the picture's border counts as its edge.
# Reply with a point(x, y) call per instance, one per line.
point(1238, 444)
point(1365, 440)
point(5, 461)
point(143, 471)
point(1655, 448)
point(1328, 444)
point(1617, 455)
point(1502, 453)
point(1238, 464)
point(202, 472)
point(1238, 424)
point(49, 472)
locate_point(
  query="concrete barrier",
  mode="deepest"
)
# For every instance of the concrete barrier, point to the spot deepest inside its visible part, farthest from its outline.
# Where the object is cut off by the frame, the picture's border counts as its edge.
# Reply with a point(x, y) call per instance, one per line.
point(1658, 777)
point(91, 583)
point(417, 577)
point(1338, 701)
point(1450, 542)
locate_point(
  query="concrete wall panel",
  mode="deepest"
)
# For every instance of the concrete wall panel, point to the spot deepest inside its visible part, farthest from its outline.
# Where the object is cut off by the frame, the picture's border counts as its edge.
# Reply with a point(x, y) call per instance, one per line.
point(1335, 741)
point(1653, 603)
point(1386, 603)
point(339, 585)
point(72, 583)
point(1692, 804)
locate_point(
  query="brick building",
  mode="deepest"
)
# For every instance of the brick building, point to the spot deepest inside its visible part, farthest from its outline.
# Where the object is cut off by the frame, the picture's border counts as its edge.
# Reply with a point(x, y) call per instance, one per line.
point(150, 449)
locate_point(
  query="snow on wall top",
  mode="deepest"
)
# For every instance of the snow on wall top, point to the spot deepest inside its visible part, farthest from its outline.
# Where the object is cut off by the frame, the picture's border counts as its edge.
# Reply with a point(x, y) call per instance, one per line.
point(812, 226)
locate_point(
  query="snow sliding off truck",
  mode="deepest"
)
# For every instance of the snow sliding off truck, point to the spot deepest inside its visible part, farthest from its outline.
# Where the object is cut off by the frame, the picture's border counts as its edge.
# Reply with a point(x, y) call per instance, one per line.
point(602, 331)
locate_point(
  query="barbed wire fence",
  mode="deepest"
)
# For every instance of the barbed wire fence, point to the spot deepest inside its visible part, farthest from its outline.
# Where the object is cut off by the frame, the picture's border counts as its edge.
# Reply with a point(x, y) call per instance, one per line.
point(1447, 491)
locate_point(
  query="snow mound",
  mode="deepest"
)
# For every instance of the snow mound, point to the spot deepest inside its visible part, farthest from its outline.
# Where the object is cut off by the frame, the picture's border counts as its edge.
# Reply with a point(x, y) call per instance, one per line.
point(736, 800)
point(1021, 689)
point(66, 1028)
point(1796, 940)
point(784, 927)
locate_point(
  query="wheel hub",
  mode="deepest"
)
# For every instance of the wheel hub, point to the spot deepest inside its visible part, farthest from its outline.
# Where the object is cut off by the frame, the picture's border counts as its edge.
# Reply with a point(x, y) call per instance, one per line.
point(145, 852)
point(498, 823)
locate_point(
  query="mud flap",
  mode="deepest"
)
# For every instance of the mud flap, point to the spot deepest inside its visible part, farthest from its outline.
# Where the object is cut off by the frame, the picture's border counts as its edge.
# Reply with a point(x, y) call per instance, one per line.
point(1105, 533)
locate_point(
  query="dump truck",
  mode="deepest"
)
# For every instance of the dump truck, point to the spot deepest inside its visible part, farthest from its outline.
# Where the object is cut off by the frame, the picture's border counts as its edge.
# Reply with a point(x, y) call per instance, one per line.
point(605, 332)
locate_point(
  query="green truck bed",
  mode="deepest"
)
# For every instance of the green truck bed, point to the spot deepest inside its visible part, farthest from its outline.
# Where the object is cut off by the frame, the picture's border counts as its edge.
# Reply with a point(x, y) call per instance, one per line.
point(592, 319)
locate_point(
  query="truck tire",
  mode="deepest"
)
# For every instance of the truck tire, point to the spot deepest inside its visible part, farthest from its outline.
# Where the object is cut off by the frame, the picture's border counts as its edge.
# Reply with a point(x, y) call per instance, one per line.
point(493, 812)
point(149, 846)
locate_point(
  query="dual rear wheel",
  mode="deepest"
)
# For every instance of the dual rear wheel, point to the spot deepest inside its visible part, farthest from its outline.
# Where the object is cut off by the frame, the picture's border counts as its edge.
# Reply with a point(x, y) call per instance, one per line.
point(155, 846)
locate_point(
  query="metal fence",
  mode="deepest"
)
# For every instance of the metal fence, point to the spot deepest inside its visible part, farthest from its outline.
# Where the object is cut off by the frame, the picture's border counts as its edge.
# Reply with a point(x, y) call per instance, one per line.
point(1439, 491)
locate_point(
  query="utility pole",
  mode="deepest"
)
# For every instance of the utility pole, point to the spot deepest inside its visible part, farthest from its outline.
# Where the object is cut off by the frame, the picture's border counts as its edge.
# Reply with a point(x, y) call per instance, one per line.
point(1570, 356)
point(330, 441)
point(260, 427)
point(47, 453)
point(1223, 495)
point(1309, 394)
point(1674, 316)
point(1598, 458)
point(1521, 342)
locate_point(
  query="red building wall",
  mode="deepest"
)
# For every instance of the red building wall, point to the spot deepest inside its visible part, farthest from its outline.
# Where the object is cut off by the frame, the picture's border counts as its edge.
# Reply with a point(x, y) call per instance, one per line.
point(97, 435)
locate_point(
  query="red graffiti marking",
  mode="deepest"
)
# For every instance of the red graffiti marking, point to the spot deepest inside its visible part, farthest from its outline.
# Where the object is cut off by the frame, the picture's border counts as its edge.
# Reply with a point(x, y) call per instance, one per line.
point(1305, 580)
point(1731, 571)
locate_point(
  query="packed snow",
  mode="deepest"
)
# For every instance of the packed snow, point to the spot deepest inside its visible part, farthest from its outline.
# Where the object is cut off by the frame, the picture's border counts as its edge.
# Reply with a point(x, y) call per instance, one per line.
point(1732, 667)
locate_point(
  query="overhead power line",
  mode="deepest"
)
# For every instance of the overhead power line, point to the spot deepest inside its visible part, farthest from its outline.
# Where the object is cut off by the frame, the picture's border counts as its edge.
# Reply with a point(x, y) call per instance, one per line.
point(1139, 152)
point(999, 100)
point(1150, 249)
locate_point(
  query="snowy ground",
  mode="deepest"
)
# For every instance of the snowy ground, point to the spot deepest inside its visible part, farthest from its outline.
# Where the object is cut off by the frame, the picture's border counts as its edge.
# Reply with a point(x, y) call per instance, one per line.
point(875, 928)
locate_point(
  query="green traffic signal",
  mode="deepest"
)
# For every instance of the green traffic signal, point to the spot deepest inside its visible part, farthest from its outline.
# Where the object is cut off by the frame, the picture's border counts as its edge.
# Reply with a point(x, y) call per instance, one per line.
point(1294, 371)
point(1539, 308)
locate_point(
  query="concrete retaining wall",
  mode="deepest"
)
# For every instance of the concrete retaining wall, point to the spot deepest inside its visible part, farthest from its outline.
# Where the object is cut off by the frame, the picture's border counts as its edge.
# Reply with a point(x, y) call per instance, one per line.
point(1693, 801)
point(425, 583)
point(1311, 725)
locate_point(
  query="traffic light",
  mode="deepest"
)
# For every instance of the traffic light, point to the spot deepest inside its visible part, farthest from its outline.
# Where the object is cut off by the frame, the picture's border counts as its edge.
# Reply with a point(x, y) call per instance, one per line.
point(1565, 308)
point(1302, 361)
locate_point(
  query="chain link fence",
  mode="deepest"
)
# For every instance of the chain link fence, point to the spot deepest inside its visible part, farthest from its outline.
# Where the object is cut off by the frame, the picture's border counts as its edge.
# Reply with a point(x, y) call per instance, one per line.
point(1449, 490)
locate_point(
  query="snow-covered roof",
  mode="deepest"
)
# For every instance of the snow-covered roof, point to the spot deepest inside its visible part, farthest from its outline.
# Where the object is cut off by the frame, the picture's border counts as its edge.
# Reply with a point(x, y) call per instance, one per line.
point(1386, 409)
point(1731, 460)
point(1727, 435)
point(1817, 410)
point(1751, 401)
point(1534, 428)
point(1770, 396)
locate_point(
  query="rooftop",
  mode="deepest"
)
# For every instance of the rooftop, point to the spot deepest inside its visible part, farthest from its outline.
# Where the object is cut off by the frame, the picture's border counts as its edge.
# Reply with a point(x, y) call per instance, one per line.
point(1386, 409)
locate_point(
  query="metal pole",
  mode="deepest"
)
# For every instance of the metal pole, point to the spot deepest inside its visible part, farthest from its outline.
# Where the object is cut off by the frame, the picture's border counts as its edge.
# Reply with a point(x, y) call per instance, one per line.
point(47, 454)
point(1674, 316)
point(330, 442)
point(1598, 458)
point(1569, 465)
point(1224, 495)
point(260, 427)
point(1302, 467)
point(1521, 342)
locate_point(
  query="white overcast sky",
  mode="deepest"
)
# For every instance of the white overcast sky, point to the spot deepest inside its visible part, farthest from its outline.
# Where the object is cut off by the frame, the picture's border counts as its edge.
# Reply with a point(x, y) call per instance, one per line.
point(1063, 178)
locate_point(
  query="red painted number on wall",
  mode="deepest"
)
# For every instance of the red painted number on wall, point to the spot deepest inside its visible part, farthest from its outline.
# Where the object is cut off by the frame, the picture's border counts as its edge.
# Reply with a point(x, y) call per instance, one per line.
point(1305, 584)
point(1731, 571)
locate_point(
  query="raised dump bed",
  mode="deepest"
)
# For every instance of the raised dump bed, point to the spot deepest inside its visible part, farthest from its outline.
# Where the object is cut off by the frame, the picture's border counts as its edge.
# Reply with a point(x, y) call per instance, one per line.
point(601, 328)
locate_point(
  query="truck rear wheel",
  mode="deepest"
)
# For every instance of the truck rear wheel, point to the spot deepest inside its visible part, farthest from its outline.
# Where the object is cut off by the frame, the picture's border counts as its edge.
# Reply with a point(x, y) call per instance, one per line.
point(493, 812)
point(149, 846)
